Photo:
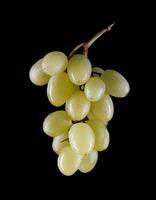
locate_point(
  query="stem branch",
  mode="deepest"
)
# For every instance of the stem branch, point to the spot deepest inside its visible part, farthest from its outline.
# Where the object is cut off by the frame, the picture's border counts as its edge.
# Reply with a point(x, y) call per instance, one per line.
point(75, 49)
point(86, 45)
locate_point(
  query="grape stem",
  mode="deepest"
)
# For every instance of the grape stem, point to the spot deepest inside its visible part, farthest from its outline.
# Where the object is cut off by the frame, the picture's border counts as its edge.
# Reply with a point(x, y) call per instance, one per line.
point(87, 45)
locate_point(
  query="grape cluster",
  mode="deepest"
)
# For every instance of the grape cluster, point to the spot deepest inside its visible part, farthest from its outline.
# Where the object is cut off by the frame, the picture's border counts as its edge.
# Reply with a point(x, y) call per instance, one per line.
point(79, 131)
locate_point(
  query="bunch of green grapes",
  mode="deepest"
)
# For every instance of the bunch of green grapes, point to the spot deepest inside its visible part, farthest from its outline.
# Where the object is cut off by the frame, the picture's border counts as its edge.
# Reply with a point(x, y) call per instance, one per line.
point(80, 131)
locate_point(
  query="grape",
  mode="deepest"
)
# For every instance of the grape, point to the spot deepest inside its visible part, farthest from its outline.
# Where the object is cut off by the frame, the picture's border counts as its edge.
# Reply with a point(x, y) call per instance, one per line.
point(79, 69)
point(94, 89)
point(57, 123)
point(54, 62)
point(59, 142)
point(81, 138)
point(101, 134)
point(60, 89)
point(91, 116)
point(77, 106)
point(88, 162)
point(37, 76)
point(80, 131)
point(103, 109)
point(68, 161)
point(97, 70)
point(116, 84)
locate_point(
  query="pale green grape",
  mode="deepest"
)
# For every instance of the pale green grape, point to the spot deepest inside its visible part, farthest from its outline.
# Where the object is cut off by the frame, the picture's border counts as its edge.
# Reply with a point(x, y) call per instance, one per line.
point(57, 123)
point(59, 142)
point(79, 69)
point(94, 89)
point(77, 106)
point(68, 161)
point(101, 134)
point(97, 70)
point(60, 88)
point(88, 162)
point(103, 109)
point(81, 138)
point(36, 74)
point(91, 116)
point(116, 84)
point(54, 62)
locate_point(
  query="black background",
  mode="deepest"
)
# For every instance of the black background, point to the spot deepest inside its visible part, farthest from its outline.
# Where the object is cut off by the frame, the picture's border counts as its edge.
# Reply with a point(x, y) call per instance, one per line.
point(37, 30)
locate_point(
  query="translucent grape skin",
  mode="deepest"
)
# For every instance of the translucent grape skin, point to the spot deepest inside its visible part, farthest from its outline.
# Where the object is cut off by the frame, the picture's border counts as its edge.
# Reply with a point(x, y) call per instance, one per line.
point(88, 162)
point(79, 69)
point(57, 123)
point(81, 138)
point(94, 89)
point(101, 134)
point(97, 70)
point(59, 142)
point(77, 106)
point(91, 116)
point(68, 161)
point(116, 84)
point(54, 63)
point(103, 109)
point(60, 89)
point(36, 74)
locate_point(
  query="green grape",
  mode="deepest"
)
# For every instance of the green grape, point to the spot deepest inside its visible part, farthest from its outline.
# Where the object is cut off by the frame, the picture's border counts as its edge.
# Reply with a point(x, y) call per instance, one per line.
point(97, 71)
point(57, 123)
point(59, 142)
point(94, 89)
point(88, 162)
point(81, 138)
point(116, 84)
point(77, 106)
point(101, 134)
point(68, 161)
point(79, 69)
point(54, 63)
point(60, 88)
point(37, 76)
point(103, 109)
point(91, 116)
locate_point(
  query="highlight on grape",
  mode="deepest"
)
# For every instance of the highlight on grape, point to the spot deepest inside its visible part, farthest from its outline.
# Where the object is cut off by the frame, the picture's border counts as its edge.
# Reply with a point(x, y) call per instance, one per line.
point(80, 131)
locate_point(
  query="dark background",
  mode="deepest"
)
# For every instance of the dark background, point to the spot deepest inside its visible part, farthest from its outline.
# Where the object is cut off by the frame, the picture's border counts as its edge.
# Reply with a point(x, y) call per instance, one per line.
point(33, 31)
